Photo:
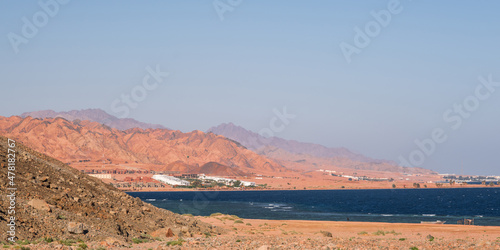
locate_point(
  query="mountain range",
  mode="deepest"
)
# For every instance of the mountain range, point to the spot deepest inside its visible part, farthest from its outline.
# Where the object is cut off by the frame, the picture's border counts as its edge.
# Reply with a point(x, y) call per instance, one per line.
point(307, 156)
point(95, 115)
point(74, 141)
point(256, 142)
point(173, 149)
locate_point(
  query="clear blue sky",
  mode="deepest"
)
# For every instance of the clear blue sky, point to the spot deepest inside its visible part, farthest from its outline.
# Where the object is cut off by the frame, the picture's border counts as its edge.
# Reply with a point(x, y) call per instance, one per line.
point(266, 55)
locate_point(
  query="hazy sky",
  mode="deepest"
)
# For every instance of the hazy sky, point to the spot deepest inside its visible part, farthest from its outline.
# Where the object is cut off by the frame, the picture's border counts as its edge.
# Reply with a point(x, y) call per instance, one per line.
point(411, 64)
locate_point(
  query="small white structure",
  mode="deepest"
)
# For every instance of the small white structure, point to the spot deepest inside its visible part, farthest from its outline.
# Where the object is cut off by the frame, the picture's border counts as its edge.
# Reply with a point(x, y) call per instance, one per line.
point(248, 183)
point(170, 180)
point(101, 176)
point(226, 181)
point(352, 177)
point(217, 179)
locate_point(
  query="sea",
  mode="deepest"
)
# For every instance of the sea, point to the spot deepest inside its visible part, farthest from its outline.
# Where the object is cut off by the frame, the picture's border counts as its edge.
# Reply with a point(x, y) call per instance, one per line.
point(375, 205)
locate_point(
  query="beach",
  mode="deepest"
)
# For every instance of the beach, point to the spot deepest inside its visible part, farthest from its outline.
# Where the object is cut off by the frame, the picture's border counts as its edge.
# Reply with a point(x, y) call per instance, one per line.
point(349, 235)
point(287, 234)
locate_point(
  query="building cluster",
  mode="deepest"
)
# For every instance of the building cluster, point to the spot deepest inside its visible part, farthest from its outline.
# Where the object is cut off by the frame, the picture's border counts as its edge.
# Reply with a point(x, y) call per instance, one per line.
point(226, 181)
point(137, 171)
point(357, 178)
point(101, 176)
point(178, 180)
point(472, 179)
point(138, 185)
point(116, 171)
point(171, 180)
point(327, 171)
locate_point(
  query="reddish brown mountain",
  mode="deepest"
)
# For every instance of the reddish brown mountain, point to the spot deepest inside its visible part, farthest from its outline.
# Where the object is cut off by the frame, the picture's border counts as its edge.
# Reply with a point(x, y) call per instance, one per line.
point(95, 115)
point(51, 196)
point(169, 149)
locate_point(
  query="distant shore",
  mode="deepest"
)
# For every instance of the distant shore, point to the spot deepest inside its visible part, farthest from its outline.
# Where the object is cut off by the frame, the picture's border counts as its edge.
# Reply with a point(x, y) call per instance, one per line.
point(312, 189)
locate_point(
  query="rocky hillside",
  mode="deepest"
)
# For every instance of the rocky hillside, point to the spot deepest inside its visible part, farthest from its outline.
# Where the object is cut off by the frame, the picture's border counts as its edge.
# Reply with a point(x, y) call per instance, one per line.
point(95, 115)
point(308, 155)
point(86, 140)
point(54, 200)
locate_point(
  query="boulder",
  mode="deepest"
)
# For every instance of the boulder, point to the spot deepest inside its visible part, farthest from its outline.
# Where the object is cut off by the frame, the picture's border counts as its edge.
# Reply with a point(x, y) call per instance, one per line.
point(163, 233)
point(40, 205)
point(326, 234)
point(75, 228)
point(110, 241)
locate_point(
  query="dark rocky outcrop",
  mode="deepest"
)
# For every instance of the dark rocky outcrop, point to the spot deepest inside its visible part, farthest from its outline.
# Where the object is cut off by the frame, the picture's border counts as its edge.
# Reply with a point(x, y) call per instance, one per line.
point(55, 200)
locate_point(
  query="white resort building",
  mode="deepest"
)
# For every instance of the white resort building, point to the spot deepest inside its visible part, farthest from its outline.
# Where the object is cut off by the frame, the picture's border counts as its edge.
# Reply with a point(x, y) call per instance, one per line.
point(226, 181)
point(170, 180)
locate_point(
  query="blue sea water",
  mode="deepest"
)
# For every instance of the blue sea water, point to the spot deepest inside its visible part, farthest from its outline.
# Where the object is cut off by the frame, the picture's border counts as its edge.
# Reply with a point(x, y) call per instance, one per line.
point(387, 205)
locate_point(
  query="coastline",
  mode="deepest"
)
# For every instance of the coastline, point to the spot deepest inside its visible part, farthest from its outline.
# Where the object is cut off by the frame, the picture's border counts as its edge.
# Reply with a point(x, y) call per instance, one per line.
point(333, 189)
point(276, 205)
point(363, 234)
point(303, 234)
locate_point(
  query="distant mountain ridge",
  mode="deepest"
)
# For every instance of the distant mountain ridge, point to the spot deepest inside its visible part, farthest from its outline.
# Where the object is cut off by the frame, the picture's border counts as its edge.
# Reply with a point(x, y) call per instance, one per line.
point(281, 152)
point(95, 115)
point(310, 154)
point(256, 142)
point(196, 152)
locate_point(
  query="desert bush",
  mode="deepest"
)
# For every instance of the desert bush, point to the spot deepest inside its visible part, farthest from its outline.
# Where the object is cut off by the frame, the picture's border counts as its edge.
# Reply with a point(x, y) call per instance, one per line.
point(175, 242)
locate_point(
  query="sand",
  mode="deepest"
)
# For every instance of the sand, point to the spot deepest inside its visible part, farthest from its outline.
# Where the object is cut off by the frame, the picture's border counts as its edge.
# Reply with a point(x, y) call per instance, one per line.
point(300, 234)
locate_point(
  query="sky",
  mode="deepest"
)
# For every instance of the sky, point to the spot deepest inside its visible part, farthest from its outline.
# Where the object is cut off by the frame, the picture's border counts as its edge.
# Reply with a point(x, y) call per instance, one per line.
point(408, 81)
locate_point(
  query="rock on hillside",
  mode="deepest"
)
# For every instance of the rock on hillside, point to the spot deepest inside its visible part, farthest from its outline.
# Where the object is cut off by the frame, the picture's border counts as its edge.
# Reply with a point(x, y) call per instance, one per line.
point(54, 200)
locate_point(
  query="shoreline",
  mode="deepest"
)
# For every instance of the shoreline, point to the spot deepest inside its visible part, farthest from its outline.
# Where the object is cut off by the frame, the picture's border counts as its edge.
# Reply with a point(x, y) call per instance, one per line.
point(303, 234)
point(363, 223)
point(375, 218)
point(334, 189)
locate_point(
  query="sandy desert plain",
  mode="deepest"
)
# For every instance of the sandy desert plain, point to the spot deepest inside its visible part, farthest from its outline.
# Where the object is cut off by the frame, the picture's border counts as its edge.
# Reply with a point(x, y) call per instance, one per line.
point(285, 234)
